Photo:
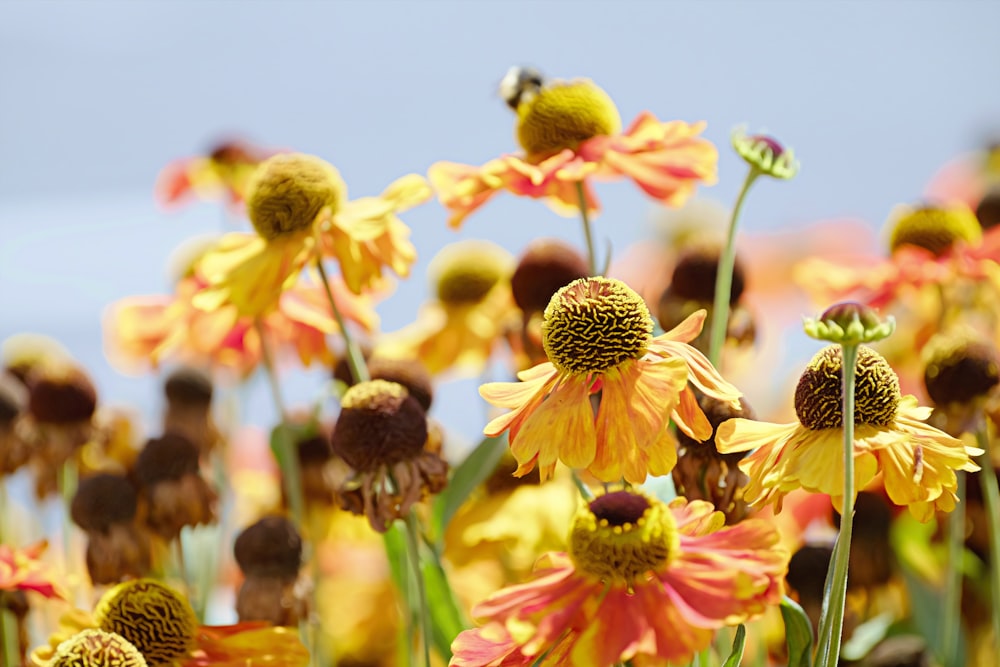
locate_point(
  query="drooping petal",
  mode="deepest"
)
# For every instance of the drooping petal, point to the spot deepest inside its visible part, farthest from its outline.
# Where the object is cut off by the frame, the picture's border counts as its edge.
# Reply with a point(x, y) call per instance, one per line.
point(561, 428)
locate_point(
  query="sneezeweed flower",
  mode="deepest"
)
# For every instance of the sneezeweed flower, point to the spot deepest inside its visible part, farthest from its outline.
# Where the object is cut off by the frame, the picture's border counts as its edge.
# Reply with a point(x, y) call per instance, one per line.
point(382, 434)
point(188, 393)
point(21, 569)
point(155, 618)
point(105, 507)
point(14, 452)
point(917, 462)
point(168, 472)
point(299, 210)
point(765, 154)
point(269, 554)
point(643, 382)
point(148, 331)
point(850, 323)
point(96, 648)
point(642, 581)
point(570, 132)
point(961, 373)
point(472, 312)
point(222, 174)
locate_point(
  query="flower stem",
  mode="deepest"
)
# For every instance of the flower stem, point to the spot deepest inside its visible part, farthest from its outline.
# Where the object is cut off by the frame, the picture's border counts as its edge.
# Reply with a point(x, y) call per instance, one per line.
point(10, 640)
point(952, 631)
point(991, 500)
point(581, 487)
point(831, 625)
point(355, 359)
point(724, 275)
point(413, 552)
point(587, 234)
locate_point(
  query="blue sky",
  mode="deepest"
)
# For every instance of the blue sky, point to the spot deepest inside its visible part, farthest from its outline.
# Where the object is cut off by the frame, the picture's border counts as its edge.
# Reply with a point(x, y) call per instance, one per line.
point(97, 96)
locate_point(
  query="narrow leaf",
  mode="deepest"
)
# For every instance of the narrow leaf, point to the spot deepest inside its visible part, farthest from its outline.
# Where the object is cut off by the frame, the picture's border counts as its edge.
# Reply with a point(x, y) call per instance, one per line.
point(469, 474)
point(739, 643)
point(798, 634)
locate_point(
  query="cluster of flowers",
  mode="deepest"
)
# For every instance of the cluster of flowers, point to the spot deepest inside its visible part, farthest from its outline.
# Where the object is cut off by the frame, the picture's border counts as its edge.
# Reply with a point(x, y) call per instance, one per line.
point(607, 399)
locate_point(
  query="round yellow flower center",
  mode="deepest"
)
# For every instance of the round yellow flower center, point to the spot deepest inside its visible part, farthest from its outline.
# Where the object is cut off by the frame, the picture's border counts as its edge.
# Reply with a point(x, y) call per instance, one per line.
point(153, 617)
point(935, 229)
point(818, 396)
point(959, 370)
point(288, 191)
point(465, 272)
point(379, 424)
point(595, 324)
point(96, 648)
point(620, 536)
point(562, 115)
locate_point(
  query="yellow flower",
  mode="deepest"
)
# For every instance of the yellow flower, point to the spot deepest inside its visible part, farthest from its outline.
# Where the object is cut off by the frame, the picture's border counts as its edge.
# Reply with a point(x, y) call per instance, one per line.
point(473, 310)
point(299, 209)
point(917, 462)
point(642, 382)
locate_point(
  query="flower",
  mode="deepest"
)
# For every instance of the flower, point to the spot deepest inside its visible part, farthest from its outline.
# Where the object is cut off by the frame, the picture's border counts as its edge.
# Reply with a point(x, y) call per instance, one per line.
point(917, 462)
point(765, 154)
point(643, 382)
point(643, 581)
point(299, 209)
point(382, 434)
point(571, 133)
point(849, 323)
point(223, 173)
point(96, 647)
point(23, 570)
point(147, 331)
point(473, 310)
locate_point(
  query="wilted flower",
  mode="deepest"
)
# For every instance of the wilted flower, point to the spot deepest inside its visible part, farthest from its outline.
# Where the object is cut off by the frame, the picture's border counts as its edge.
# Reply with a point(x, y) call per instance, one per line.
point(269, 554)
point(105, 507)
point(169, 477)
point(571, 134)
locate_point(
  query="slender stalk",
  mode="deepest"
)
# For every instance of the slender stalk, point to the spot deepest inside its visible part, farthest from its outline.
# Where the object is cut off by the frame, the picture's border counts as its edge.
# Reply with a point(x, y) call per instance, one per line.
point(66, 480)
point(724, 276)
point(991, 500)
point(581, 487)
point(832, 619)
point(271, 371)
point(587, 234)
point(413, 552)
point(355, 359)
point(10, 640)
point(952, 630)
point(182, 569)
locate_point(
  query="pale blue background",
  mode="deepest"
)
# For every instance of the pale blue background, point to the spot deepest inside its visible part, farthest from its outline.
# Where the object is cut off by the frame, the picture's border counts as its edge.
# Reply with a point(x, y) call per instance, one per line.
point(95, 97)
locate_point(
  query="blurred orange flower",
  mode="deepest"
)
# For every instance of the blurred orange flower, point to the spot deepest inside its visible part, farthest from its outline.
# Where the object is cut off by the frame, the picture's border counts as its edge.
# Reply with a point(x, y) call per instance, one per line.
point(222, 174)
point(23, 570)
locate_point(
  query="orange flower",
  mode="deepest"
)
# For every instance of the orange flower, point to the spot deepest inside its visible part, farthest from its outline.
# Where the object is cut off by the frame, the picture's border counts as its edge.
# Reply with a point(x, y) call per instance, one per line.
point(642, 382)
point(222, 174)
point(253, 642)
point(147, 331)
point(918, 463)
point(642, 582)
point(23, 570)
point(298, 206)
point(571, 133)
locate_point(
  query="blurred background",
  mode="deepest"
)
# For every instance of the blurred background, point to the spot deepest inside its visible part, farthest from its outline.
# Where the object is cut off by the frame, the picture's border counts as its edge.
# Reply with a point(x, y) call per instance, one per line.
point(96, 97)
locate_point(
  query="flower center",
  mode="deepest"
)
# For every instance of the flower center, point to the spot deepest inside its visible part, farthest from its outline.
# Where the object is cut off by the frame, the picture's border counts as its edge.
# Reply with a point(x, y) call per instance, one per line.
point(465, 272)
point(818, 396)
point(959, 370)
point(594, 325)
point(562, 115)
point(622, 535)
point(288, 191)
point(545, 266)
point(154, 618)
point(96, 648)
point(934, 228)
point(694, 275)
point(380, 424)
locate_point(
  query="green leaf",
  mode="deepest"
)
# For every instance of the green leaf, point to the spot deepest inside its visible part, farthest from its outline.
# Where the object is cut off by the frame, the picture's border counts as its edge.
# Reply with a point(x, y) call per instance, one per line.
point(739, 643)
point(866, 636)
point(469, 474)
point(798, 634)
point(447, 619)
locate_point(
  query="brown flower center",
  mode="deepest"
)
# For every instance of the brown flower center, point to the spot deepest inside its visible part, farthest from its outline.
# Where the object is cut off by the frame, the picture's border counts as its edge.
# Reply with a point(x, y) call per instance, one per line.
point(960, 370)
point(380, 424)
point(153, 617)
point(818, 396)
point(594, 325)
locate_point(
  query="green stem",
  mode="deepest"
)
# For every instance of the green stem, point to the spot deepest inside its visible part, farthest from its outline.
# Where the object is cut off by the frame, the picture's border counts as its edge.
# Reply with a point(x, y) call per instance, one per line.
point(413, 552)
point(289, 459)
point(991, 500)
point(587, 234)
point(581, 487)
point(9, 637)
point(724, 276)
point(67, 479)
point(355, 359)
point(951, 633)
point(832, 619)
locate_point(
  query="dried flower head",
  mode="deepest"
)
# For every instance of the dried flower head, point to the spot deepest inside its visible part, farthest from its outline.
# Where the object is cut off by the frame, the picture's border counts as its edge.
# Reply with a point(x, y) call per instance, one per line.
point(546, 265)
point(271, 547)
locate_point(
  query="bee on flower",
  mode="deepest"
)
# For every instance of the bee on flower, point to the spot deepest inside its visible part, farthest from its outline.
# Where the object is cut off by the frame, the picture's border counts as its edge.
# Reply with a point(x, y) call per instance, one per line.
point(571, 135)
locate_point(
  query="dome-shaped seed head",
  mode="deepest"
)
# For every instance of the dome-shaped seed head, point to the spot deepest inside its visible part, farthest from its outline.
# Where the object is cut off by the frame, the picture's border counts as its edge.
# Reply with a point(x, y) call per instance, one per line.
point(271, 547)
point(102, 500)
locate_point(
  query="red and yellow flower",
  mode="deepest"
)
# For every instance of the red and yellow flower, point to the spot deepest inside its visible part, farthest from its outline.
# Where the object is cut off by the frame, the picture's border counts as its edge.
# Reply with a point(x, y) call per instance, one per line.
point(917, 462)
point(597, 336)
point(222, 174)
point(571, 135)
point(23, 570)
point(643, 581)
